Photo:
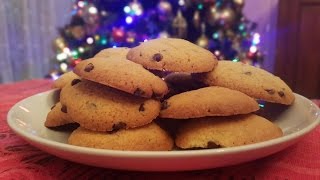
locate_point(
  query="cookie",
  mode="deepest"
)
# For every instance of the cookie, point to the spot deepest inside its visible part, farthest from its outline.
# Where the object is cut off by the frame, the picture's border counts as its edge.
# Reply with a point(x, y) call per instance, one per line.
point(64, 79)
point(214, 132)
point(170, 54)
point(181, 82)
point(100, 108)
point(57, 116)
point(208, 101)
point(119, 73)
point(109, 52)
point(146, 138)
point(250, 80)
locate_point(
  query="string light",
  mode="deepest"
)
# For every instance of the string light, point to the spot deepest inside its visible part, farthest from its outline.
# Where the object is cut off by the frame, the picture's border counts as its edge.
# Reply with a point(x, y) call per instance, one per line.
point(89, 40)
point(253, 49)
point(81, 4)
point(74, 53)
point(181, 2)
point(217, 53)
point(61, 56)
point(256, 39)
point(235, 60)
point(64, 67)
point(127, 9)
point(200, 6)
point(97, 37)
point(104, 41)
point(81, 49)
point(145, 40)
point(67, 51)
point(129, 19)
point(114, 46)
point(215, 35)
point(54, 75)
point(92, 10)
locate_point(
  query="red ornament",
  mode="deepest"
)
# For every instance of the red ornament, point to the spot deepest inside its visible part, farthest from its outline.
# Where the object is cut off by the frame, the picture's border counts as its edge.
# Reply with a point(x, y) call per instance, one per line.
point(118, 34)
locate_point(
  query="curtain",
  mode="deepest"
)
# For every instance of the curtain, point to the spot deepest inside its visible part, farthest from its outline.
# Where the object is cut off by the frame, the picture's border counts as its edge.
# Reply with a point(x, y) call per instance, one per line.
point(27, 29)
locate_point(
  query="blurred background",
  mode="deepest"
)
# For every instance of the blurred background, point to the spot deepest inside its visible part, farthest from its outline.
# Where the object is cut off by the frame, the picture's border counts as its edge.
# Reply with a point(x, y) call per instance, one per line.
point(44, 39)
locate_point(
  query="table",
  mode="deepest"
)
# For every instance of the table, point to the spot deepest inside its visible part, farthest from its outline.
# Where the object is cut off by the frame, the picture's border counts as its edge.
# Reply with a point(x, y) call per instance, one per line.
point(19, 160)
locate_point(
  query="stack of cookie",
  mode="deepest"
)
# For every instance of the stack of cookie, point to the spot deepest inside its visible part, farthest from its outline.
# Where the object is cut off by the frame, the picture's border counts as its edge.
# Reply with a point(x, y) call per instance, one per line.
point(120, 102)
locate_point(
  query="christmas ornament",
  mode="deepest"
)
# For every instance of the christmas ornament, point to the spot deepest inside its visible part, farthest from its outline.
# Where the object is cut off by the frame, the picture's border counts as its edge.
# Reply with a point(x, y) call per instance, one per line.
point(179, 26)
point(196, 19)
point(59, 43)
point(203, 40)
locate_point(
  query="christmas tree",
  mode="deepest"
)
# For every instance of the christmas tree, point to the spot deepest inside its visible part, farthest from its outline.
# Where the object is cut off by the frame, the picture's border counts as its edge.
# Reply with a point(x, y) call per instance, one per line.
point(217, 25)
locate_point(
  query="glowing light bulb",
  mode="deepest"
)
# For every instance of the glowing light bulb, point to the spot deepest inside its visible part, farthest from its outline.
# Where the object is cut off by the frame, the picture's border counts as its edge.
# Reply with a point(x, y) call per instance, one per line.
point(114, 46)
point(64, 67)
point(145, 40)
point(127, 9)
point(61, 56)
point(181, 2)
point(215, 35)
point(66, 51)
point(217, 53)
point(253, 49)
point(138, 12)
point(81, 49)
point(81, 4)
point(129, 19)
point(93, 10)
point(89, 40)
point(256, 39)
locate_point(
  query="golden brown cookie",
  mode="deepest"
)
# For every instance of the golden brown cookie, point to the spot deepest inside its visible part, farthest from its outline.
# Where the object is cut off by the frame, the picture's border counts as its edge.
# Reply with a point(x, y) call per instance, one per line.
point(64, 79)
point(208, 101)
point(213, 132)
point(57, 116)
point(170, 54)
point(250, 80)
point(119, 73)
point(100, 108)
point(118, 52)
point(146, 138)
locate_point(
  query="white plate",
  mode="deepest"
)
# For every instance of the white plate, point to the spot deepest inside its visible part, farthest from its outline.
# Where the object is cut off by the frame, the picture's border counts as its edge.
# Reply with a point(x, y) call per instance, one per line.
point(26, 118)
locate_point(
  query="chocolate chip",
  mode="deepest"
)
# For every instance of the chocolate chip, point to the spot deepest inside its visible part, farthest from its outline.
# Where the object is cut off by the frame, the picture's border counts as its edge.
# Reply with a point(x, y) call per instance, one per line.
point(120, 125)
point(75, 81)
point(157, 57)
point(64, 109)
point(270, 91)
point(141, 108)
point(212, 145)
point(138, 92)
point(53, 107)
point(164, 105)
point(88, 67)
point(248, 73)
point(156, 96)
point(281, 93)
point(140, 54)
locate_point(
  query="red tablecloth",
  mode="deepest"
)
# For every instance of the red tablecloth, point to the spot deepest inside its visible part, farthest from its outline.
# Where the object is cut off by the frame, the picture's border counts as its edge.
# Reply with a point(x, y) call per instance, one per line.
point(19, 160)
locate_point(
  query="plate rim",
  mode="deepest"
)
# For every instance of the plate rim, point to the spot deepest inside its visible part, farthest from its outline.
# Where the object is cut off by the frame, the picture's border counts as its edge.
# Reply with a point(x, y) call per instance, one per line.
point(156, 154)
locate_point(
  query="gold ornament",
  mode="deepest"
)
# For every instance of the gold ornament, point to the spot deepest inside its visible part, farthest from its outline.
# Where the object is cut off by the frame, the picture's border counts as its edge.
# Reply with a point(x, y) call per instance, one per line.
point(179, 26)
point(196, 19)
point(227, 16)
point(59, 43)
point(203, 40)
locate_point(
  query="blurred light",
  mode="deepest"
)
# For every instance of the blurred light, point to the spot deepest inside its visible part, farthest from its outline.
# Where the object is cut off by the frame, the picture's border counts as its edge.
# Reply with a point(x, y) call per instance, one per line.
point(127, 9)
point(215, 35)
point(135, 6)
point(261, 105)
point(181, 2)
point(200, 6)
point(74, 53)
point(93, 10)
point(138, 12)
point(217, 53)
point(256, 39)
point(104, 13)
point(89, 40)
point(81, 49)
point(104, 41)
point(54, 75)
point(130, 39)
point(97, 37)
point(145, 40)
point(253, 49)
point(81, 4)
point(114, 46)
point(64, 67)
point(235, 60)
point(66, 50)
point(61, 56)
point(129, 19)
point(241, 27)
